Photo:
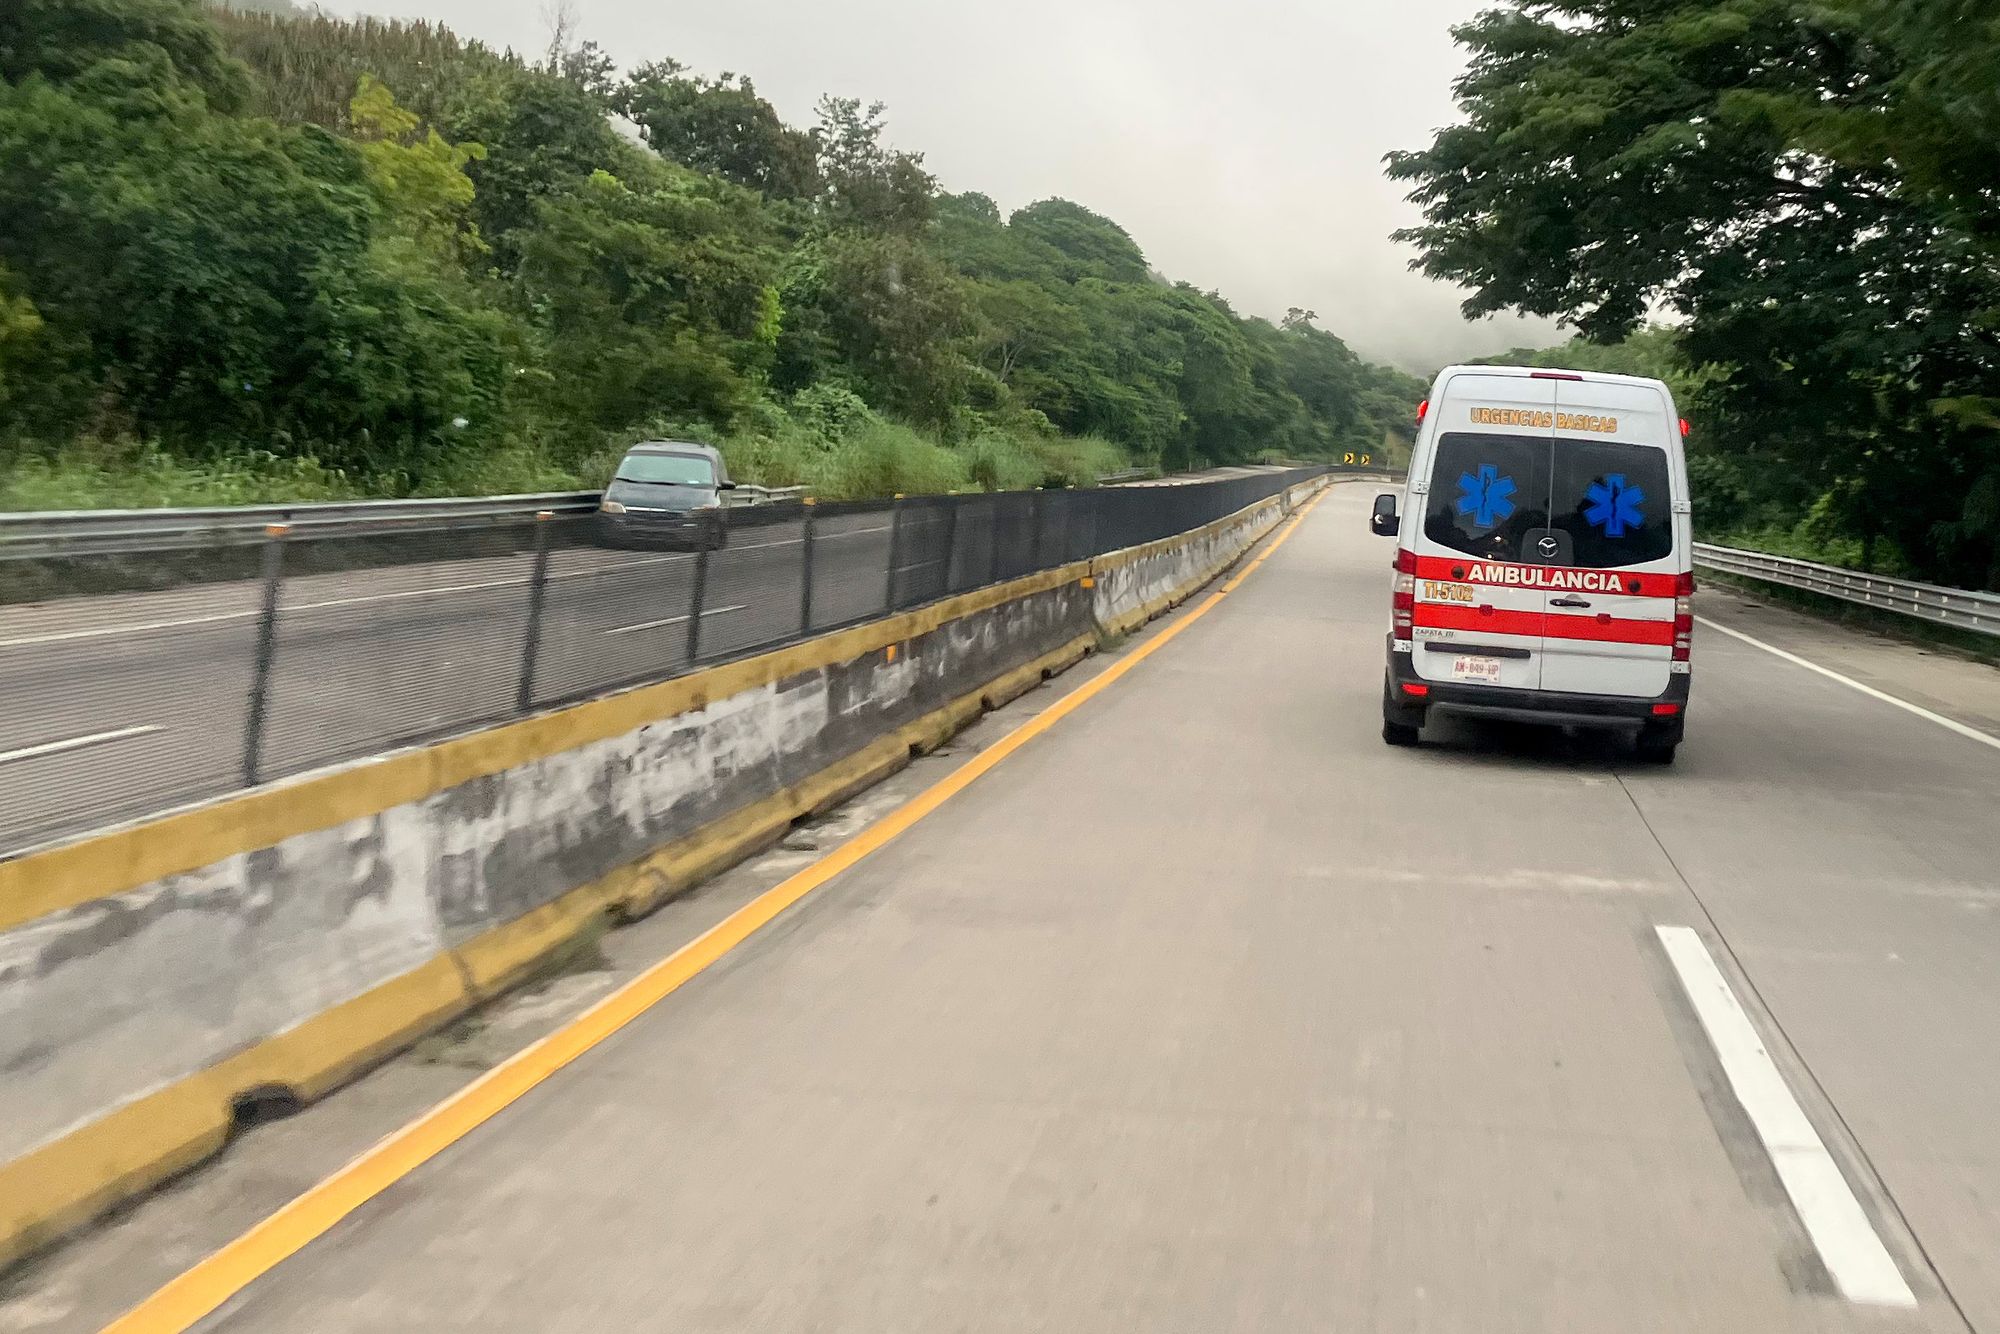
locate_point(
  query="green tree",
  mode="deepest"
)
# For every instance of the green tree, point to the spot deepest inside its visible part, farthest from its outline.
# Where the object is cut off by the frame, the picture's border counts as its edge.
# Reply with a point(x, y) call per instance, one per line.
point(1325, 377)
point(215, 280)
point(1024, 330)
point(887, 308)
point(1934, 121)
point(307, 64)
point(1742, 163)
point(169, 40)
point(1091, 245)
point(863, 182)
point(543, 137)
point(720, 126)
point(20, 322)
point(419, 180)
point(652, 296)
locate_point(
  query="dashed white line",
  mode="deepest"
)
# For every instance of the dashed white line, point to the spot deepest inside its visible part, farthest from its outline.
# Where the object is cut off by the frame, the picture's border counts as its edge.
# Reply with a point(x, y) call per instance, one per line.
point(77, 742)
point(800, 541)
point(148, 627)
point(99, 632)
point(706, 612)
point(1847, 1242)
point(1971, 733)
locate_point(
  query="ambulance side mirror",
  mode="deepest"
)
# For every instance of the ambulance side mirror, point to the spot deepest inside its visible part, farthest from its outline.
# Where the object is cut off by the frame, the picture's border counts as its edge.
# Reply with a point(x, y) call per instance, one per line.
point(1383, 522)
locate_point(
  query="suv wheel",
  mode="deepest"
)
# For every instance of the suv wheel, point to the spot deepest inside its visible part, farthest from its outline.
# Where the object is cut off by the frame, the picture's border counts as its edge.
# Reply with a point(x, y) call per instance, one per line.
point(1399, 734)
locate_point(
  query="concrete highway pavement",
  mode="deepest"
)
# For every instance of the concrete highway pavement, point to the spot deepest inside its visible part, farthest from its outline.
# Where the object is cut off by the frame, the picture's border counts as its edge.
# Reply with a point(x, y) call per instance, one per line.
point(1205, 1010)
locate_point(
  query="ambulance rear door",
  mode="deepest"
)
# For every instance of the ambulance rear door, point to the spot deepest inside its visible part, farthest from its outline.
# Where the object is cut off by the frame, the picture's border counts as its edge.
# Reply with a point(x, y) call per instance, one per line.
point(1612, 492)
point(1484, 507)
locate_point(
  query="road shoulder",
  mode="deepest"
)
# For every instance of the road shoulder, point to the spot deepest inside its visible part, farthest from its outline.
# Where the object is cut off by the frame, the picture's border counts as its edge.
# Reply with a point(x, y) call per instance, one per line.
point(1938, 679)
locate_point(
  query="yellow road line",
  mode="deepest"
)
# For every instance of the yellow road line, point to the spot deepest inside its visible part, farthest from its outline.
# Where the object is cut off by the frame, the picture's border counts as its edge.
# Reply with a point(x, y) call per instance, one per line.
point(200, 1290)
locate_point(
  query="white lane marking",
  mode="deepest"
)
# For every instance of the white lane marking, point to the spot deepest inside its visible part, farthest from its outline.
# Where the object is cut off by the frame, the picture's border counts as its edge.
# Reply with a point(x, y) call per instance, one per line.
point(78, 742)
point(66, 636)
point(148, 627)
point(800, 541)
point(286, 610)
point(675, 620)
point(1953, 724)
point(1833, 1218)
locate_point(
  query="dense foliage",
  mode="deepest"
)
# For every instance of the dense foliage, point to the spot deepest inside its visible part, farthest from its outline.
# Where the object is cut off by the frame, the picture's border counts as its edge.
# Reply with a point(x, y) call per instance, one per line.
point(376, 256)
point(1812, 186)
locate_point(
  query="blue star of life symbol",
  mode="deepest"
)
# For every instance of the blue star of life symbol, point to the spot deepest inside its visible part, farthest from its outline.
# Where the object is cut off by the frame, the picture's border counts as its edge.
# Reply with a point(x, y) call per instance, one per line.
point(1614, 506)
point(1485, 497)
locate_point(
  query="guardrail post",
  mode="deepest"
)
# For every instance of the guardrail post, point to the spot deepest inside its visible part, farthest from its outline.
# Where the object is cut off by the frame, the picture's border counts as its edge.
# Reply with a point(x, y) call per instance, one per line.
point(538, 583)
point(1039, 541)
point(993, 531)
point(951, 541)
point(267, 651)
point(895, 550)
point(695, 604)
point(806, 566)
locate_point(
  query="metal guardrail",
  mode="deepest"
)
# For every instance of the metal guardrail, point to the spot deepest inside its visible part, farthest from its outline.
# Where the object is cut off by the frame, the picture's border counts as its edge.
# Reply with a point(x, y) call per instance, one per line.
point(1957, 607)
point(63, 532)
point(92, 532)
point(746, 494)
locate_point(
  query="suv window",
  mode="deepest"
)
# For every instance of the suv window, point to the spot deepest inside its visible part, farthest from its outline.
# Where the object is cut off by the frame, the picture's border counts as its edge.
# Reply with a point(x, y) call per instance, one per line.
point(667, 469)
point(1488, 492)
point(1614, 501)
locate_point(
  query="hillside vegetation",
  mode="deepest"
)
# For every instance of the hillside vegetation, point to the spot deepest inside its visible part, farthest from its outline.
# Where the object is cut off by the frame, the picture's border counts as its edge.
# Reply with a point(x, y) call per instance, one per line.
point(253, 255)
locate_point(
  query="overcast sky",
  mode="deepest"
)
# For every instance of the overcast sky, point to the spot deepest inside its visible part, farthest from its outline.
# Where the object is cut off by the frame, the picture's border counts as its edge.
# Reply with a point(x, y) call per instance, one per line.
point(1240, 144)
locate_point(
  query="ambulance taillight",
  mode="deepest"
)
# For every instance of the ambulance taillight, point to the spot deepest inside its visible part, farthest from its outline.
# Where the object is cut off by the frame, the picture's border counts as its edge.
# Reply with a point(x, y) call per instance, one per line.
point(1404, 600)
point(1683, 621)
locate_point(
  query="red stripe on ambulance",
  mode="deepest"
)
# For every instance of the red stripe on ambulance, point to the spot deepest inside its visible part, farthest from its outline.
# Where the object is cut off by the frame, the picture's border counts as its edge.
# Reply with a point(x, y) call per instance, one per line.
point(1550, 578)
point(1550, 625)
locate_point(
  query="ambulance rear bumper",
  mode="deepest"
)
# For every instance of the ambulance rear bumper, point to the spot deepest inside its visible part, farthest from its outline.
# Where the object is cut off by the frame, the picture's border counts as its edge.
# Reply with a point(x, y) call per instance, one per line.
point(1550, 707)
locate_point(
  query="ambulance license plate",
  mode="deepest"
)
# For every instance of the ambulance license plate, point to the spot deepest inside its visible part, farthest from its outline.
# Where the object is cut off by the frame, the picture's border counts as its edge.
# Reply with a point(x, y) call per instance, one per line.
point(1476, 669)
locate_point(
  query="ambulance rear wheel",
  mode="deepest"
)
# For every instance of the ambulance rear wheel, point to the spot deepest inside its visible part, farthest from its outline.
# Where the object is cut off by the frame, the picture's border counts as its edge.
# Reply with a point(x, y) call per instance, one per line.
point(1657, 742)
point(1399, 723)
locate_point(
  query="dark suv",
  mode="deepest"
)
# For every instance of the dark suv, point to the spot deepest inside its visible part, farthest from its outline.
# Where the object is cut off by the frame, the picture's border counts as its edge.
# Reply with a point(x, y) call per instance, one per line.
point(666, 493)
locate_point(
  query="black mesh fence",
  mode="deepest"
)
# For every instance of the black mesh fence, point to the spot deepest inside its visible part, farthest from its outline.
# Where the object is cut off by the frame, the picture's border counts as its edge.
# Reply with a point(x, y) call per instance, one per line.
point(848, 559)
point(126, 695)
point(374, 640)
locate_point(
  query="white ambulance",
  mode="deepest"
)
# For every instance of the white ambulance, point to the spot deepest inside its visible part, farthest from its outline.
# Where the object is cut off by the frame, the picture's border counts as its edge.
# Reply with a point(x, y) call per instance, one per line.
point(1544, 556)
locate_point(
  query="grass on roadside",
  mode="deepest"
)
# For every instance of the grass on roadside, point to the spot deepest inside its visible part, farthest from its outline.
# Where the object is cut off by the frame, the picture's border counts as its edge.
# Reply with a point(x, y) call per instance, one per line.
point(833, 445)
point(137, 477)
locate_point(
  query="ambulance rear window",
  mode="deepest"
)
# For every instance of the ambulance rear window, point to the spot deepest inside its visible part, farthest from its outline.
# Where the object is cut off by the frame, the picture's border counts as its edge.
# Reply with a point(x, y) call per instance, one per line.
point(1614, 501)
point(1487, 493)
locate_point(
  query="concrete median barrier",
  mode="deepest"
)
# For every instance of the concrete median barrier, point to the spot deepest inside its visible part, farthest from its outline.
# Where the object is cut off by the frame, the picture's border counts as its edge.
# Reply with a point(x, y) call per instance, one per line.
point(1137, 584)
point(159, 979)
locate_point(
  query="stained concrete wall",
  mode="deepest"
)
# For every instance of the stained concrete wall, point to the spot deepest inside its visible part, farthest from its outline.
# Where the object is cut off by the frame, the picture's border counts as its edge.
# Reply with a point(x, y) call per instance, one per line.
point(129, 1021)
point(1136, 585)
